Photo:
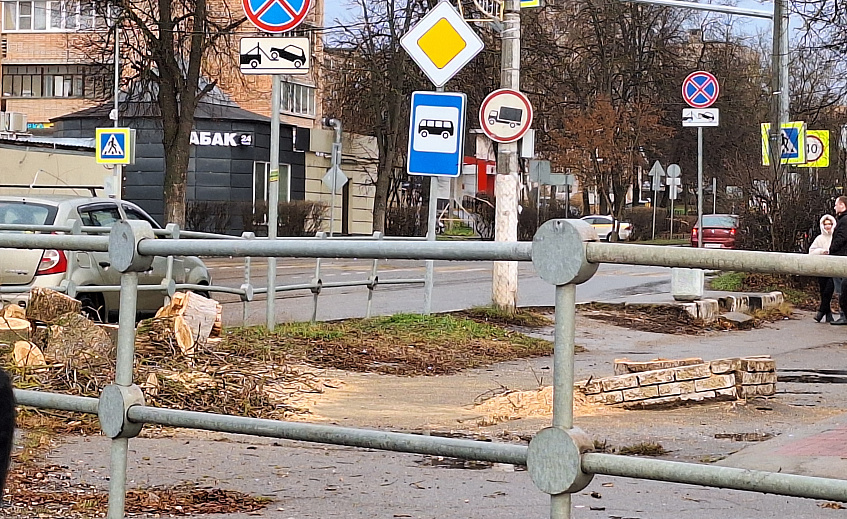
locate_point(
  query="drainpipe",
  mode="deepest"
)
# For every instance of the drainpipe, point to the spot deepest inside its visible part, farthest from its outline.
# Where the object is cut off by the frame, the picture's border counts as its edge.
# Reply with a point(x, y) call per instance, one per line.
point(335, 124)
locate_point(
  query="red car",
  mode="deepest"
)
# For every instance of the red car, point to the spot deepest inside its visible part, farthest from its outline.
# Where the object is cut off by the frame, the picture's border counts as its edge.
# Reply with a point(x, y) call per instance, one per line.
point(719, 231)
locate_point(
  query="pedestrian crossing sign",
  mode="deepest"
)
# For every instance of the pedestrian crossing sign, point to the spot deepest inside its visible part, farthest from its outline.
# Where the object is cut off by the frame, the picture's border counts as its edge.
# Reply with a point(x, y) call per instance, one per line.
point(114, 145)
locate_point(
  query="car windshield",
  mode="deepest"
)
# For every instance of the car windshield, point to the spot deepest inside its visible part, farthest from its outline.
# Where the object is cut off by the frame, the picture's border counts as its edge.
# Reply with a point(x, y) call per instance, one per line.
point(719, 220)
point(23, 213)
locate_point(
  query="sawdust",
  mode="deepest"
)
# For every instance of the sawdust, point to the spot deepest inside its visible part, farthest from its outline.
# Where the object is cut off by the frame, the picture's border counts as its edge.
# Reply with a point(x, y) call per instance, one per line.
point(536, 403)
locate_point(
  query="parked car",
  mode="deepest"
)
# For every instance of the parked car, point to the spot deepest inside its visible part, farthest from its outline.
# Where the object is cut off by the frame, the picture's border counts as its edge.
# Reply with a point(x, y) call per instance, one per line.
point(25, 269)
point(603, 225)
point(719, 231)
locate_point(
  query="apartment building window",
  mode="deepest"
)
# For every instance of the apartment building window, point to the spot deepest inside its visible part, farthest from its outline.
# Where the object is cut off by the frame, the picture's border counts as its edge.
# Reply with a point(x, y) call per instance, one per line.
point(79, 81)
point(53, 15)
point(298, 99)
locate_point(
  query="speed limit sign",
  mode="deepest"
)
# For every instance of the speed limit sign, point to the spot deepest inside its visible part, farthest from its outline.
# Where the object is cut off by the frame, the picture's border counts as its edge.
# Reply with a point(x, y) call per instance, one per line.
point(817, 149)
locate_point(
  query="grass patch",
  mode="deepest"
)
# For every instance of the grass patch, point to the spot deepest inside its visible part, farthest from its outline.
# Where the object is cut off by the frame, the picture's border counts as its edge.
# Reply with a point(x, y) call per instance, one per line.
point(728, 281)
point(497, 315)
point(402, 344)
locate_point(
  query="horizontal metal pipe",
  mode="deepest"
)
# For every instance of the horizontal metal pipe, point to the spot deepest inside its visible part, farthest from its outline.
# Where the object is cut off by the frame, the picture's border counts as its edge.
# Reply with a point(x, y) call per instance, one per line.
point(365, 438)
point(207, 235)
point(465, 251)
point(716, 259)
point(718, 477)
point(54, 241)
point(400, 281)
point(44, 400)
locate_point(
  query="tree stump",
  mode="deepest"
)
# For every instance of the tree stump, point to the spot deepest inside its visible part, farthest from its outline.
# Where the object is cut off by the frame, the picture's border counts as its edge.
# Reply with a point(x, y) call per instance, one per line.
point(47, 305)
point(13, 330)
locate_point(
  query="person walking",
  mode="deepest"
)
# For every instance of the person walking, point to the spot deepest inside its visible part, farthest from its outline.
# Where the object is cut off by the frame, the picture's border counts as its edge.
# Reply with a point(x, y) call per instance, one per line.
point(827, 285)
point(838, 247)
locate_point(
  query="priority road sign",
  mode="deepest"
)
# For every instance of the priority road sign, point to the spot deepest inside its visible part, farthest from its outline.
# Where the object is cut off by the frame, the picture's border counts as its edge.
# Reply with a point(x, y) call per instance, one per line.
point(276, 15)
point(441, 43)
point(275, 55)
point(505, 115)
point(436, 133)
point(700, 89)
point(114, 145)
point(793, 147)
point(817, 149)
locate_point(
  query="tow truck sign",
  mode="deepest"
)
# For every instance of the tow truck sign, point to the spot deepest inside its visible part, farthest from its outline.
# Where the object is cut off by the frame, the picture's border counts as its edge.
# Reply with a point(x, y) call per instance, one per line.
point(275, 55)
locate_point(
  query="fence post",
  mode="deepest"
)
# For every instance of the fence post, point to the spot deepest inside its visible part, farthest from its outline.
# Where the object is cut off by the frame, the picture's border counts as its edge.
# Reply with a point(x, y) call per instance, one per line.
point(69, 285)
point(316, 282)
point(247, 286)
point(173, 231)
point(374, 279)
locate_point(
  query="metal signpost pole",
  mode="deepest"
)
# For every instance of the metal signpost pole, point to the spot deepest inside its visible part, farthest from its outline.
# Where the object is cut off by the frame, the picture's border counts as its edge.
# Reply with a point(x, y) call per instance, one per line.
point(119, 169)
point(700, 185)
point(429, 276)
point(273, 198)
point(714, 195)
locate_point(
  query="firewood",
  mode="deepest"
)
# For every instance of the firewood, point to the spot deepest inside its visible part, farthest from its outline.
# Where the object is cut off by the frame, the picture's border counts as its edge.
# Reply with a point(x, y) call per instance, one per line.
point(28, 354)
point(14, 311)
point(164, 336)
point(77, 342)
point(13, 330)
point(199, 313)
point(46, 305)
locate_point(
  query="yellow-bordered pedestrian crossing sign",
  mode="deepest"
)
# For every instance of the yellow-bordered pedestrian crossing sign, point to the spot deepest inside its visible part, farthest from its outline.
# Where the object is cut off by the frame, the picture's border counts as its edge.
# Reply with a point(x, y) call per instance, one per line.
point(114, 145)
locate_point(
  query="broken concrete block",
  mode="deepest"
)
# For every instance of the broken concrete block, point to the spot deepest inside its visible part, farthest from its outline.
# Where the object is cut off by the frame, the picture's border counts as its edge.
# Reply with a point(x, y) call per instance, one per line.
point(715, 382)
point(719, 366)
point(692, 372)
point(753, 391)
point(625, 366)
point(766, 301)
point(757, 377)
point(734, 303)
point(758, 364)
point(620, 382)
point(729, 393)
point(612, 397)
point(737, 320)
point(593, 387)
point(640, 393)
point(708, 310)
point(676, 388)
point(660, 376)
point(697, 397)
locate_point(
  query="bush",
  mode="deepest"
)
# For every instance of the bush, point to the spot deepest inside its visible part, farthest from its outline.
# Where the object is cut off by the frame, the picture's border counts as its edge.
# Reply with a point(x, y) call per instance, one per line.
point(209, 216)
point(641, 219)
point(294, 218)
point(406, 221)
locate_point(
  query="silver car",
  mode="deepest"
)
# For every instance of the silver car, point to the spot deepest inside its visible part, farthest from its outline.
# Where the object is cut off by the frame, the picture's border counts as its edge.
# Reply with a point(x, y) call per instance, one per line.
point(21, 270)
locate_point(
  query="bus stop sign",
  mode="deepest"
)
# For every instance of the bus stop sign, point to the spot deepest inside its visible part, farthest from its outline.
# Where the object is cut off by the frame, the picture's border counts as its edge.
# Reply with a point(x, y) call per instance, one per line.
point(436, 133)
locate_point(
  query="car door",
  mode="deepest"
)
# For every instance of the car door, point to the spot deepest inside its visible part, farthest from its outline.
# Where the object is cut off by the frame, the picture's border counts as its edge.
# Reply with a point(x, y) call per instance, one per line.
point(99, 271)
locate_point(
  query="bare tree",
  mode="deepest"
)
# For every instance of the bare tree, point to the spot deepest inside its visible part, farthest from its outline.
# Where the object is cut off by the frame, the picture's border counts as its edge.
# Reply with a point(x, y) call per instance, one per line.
point(171, 50)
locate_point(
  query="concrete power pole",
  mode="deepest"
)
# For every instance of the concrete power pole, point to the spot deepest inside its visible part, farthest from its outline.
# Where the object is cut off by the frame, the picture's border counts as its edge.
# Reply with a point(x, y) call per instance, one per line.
point(779, 90)
point(505, 281)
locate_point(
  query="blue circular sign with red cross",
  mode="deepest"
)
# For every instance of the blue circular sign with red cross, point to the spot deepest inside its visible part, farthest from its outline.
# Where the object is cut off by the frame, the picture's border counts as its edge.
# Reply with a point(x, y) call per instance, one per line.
point(700, 89)
point(276, 15)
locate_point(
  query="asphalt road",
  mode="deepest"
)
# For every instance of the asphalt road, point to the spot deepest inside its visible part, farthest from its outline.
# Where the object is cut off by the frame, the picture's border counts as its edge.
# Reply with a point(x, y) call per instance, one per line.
point(457, 285)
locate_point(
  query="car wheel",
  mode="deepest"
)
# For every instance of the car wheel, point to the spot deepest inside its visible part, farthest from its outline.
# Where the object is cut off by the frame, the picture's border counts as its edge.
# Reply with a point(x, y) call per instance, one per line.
point(274, 55)
point(254, 63)
point(93, 306)
point(491, 121)
point(298, 63)
point(424, 133)
point(445, 135)
point(612, 237)
point(204, 293)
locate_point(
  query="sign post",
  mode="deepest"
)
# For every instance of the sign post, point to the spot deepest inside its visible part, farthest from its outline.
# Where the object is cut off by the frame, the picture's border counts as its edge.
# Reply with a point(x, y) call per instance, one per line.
point(274, 16)
point(700, 90)
point(673, 192)
point(657, 172)
point(441, 44)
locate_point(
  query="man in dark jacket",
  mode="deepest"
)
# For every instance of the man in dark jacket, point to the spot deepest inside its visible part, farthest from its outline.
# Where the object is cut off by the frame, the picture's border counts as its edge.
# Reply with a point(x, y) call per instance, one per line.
point(838, 247)
point(7, 426)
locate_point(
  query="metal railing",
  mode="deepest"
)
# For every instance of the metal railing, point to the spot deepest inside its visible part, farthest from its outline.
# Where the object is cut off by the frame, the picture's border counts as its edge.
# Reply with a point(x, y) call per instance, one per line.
point(559, 458)
point(246, 291)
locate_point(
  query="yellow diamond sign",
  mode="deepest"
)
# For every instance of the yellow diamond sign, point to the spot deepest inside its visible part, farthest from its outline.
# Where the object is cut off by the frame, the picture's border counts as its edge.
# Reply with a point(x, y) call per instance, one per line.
point(441, 43)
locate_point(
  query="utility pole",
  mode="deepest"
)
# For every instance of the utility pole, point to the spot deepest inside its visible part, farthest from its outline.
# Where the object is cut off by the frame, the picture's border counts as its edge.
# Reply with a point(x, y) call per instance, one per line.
point(505, 279)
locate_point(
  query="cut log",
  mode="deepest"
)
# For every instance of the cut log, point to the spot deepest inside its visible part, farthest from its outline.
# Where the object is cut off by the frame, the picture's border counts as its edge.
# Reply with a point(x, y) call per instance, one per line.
point(164, 336)
point(47, 305)
point(14, 311)
point(199, 313)
point(28, 354)
point(77, 342)
point(13, 330)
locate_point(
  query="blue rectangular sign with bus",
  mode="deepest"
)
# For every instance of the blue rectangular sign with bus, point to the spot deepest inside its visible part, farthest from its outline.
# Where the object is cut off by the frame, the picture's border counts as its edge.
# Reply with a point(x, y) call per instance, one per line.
point(436, 133)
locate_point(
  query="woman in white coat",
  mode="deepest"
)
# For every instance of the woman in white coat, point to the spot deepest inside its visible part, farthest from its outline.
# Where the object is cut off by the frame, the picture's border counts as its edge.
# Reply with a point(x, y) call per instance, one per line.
point(827, 286)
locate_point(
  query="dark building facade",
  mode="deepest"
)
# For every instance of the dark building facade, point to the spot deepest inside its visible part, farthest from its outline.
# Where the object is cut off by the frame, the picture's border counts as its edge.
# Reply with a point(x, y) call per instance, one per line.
point(229, 161)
